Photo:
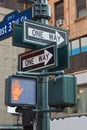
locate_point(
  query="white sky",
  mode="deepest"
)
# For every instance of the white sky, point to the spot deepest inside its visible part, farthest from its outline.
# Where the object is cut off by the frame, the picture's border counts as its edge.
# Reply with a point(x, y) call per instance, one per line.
point(71, 123)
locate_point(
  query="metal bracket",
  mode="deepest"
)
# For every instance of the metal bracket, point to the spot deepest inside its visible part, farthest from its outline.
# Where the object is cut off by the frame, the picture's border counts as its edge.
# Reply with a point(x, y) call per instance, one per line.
point(41, 10)
point(61, 72)
point(47, 110)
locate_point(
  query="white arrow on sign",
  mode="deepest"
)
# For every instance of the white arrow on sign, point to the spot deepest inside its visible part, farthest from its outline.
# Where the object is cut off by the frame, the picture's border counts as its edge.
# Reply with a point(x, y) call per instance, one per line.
point(43, 58)
point(59, 38)
point(54, 37)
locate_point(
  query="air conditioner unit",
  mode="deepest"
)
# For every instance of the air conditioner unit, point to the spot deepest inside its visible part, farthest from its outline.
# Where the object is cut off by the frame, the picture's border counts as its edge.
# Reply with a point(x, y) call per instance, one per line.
point(59, 22)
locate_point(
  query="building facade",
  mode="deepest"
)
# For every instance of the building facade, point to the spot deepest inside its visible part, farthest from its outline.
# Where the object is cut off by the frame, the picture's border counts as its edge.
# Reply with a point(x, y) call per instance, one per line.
point(68, 14)
point(9, 119)
point(72, 16)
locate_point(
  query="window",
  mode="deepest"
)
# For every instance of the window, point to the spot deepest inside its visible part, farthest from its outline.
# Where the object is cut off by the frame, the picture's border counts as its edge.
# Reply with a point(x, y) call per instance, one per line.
point(78, 54)
point(75, 47)
point(81, 6)
point(59, 12)
point(84, 44)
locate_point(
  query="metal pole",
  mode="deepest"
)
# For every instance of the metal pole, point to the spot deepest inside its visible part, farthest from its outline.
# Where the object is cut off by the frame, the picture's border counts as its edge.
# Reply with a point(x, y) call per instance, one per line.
point(39, 104)
point(46, 116)
point(45, 119)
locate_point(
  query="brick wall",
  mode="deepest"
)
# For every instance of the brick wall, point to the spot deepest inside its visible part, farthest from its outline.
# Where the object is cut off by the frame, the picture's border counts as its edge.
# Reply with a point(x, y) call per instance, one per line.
point(76, 27)
point(12, 4)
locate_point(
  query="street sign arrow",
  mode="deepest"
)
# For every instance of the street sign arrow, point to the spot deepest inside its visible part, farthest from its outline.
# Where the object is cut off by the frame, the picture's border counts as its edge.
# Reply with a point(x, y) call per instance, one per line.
point(42, 58)
point(59, 39)
point(41, 34)
point(38, 59)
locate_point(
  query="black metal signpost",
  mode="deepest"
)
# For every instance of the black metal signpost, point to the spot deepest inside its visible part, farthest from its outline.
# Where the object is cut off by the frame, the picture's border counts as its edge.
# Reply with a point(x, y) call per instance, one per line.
point(42, 13)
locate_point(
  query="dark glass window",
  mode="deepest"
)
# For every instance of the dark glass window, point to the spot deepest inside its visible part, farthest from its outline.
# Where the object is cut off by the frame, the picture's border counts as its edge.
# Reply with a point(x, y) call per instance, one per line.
point(59, 12)
point(78, 54)
point(81, 7)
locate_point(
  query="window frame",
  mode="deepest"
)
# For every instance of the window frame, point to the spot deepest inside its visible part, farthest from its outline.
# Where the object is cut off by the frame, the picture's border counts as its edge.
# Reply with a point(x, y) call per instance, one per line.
point(80, 57)
point(59, 16)
point(81, 11)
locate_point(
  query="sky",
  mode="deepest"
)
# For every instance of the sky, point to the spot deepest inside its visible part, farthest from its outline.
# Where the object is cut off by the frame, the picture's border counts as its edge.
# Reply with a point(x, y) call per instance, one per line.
point(71, 123)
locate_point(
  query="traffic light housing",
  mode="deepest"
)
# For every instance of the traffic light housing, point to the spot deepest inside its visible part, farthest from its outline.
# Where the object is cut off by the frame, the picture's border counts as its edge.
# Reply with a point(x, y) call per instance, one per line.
point(62, 91)
point(20, 91)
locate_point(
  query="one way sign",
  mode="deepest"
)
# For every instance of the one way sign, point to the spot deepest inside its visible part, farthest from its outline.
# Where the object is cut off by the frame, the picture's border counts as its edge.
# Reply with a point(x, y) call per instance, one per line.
point(40, 34)
point(38, 59)
point(34, 60)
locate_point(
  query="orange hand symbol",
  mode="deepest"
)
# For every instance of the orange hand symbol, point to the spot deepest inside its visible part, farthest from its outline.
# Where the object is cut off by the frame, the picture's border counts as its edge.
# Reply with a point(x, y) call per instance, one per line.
point(16, 90)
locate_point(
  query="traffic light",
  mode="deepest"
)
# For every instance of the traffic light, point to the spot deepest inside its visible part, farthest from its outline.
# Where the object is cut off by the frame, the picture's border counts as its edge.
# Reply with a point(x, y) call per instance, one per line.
point(62, 91)
point(20, 91)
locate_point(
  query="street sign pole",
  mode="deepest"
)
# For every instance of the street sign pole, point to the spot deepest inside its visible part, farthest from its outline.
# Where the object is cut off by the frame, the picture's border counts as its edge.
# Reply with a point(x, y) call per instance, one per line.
point(46, 116)
point(43, 120)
